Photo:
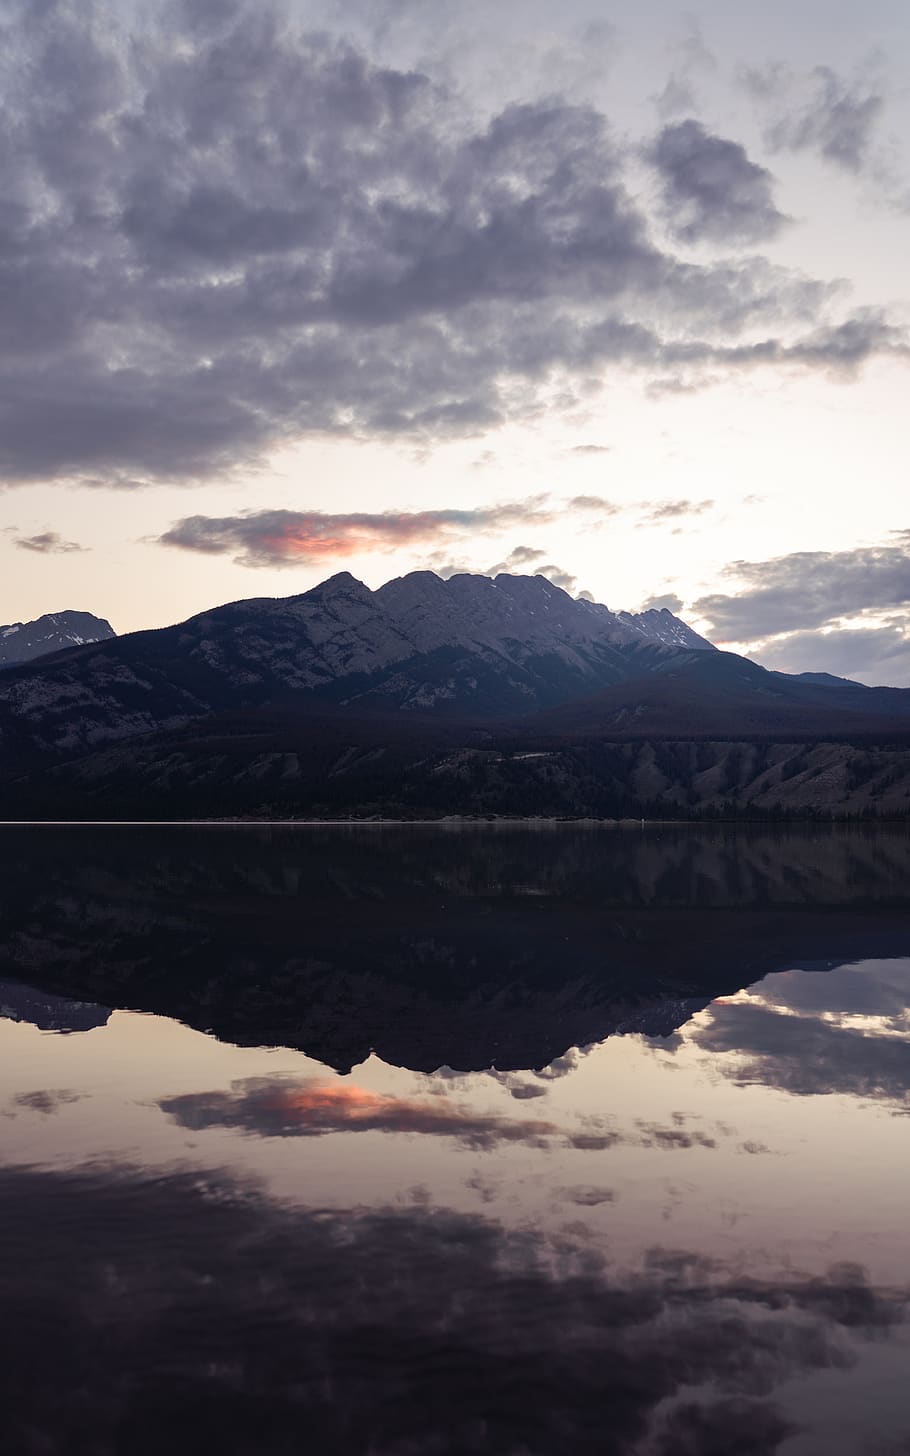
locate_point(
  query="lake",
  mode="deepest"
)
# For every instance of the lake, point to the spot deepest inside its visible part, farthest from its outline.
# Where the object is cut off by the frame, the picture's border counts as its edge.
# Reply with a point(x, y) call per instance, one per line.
point(428, 1141)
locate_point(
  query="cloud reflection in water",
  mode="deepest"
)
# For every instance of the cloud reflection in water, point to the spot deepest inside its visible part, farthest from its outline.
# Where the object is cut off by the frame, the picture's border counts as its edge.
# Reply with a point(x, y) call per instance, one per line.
point(215, 1311)
point(844, 1031)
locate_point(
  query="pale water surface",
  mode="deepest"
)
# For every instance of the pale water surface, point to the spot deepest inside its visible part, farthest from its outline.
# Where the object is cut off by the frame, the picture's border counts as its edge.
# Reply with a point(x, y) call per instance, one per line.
point(448, 1141)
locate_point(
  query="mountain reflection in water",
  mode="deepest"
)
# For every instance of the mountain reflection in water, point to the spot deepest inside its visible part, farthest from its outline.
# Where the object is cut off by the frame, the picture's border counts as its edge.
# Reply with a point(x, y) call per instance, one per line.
point(629, 1172)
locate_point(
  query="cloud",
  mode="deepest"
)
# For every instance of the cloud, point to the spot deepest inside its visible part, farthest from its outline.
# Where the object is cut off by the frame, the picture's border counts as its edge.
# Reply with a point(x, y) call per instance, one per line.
point(711, 190)
point(46, 1101)
point(878, 990)
point(808, 1055)
point(274, 1107)
point(590, 450)
point(300, 538)
point(746, 1427)
point(871, 654)
point(520, 556)
point(558, 576)
point(223, 235)
point(809, 589)
point(529, 559)
point(842, 612)
point(693, 61)
point(214, 1308)
point(669, 602)
point(270, 1108)
point(303, 538)
point(47, 543)
point(823, 112)
point(674, 510)
point(592, 503)
point(587, 1196)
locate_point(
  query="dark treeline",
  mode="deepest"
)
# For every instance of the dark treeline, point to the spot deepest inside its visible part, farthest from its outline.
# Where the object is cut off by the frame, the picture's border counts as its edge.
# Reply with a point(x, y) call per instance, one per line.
point(367, 769)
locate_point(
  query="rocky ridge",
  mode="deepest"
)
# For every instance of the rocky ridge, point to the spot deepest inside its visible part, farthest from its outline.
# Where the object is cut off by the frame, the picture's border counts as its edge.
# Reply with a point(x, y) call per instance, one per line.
point(469, 645)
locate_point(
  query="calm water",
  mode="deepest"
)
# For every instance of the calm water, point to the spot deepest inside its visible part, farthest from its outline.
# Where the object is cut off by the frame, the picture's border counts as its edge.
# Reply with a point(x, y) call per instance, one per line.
point(427, 1142)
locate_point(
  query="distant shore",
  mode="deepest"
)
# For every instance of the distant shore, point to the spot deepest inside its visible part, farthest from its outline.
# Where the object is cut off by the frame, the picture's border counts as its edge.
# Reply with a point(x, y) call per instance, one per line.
point(461, 821)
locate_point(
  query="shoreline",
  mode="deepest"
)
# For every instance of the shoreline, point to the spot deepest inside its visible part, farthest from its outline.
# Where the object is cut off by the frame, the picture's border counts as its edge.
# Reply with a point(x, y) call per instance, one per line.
point(454, 821)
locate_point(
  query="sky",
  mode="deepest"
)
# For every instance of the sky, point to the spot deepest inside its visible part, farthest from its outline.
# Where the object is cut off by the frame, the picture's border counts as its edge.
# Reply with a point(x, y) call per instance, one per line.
point(613, 292)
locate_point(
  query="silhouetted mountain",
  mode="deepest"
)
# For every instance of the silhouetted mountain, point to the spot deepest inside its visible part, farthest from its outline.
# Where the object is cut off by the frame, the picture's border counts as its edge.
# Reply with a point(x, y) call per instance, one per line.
point(467, 949)
point(727, 694)
point(24, 641)
point(49, 1012)
point(468, 646)
point(429, 697)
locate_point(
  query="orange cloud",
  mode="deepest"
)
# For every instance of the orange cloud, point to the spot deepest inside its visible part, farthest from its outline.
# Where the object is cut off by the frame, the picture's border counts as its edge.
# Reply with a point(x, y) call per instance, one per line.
point(314, 1108)
point(294, 538)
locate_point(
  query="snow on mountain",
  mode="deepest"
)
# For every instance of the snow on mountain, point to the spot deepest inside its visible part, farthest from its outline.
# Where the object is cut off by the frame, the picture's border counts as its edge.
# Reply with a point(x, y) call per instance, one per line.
point(660, 625)
point(514, 616)
point(24, 641)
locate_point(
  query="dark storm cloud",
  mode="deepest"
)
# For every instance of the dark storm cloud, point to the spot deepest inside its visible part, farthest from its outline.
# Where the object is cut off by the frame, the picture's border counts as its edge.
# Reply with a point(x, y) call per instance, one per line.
point(294, 538)
point(837, 118)
point(220, 235)
point(809, 589)
point(47, 543)
point(711, 189)
point(198, 1304)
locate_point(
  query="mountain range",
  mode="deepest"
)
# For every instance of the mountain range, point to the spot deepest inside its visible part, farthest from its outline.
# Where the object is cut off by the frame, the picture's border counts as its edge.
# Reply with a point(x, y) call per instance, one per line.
point(342, 680)
point(466, 647)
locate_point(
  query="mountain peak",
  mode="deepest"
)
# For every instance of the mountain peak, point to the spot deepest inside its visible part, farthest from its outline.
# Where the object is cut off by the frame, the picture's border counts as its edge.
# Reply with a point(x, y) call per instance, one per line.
point(658, 624)
point(25, 641)
point(342, 581)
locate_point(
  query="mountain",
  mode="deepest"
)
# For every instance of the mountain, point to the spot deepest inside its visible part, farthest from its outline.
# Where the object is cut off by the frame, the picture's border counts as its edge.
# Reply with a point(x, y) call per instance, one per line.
point(658, 624)
point(469, 647)
point(24, 641)
point(428, 697)
point(728, 694)
point(49, 1012)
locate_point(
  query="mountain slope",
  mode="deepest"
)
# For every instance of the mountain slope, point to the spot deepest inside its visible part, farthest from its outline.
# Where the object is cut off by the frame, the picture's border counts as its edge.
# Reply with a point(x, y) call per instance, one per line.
point(726, 694)
point(469, 646)
point(313, 762)
point(25, 641)
point(513, 655)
